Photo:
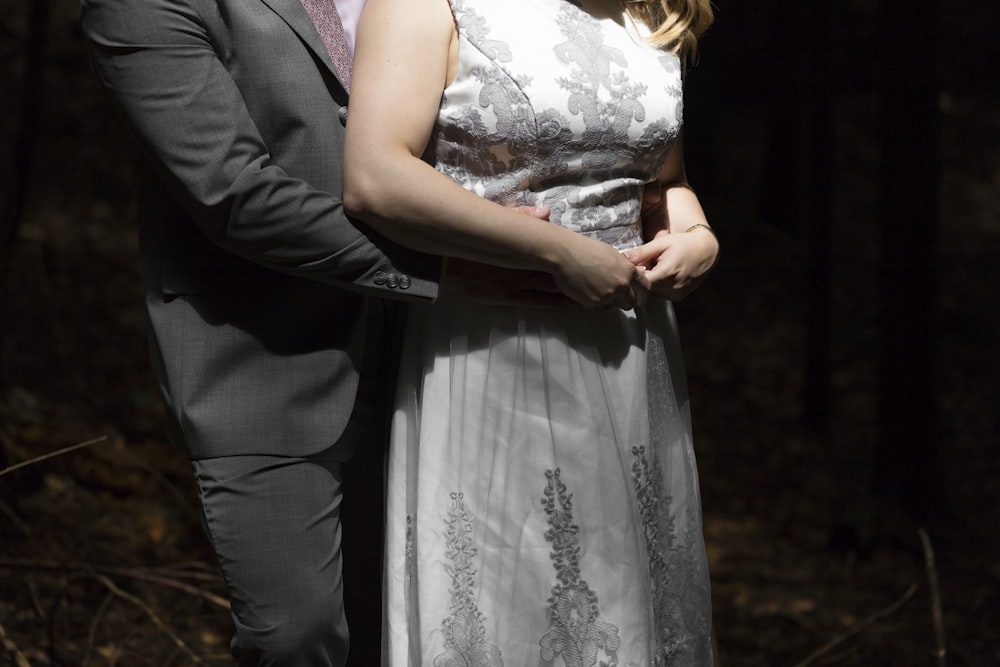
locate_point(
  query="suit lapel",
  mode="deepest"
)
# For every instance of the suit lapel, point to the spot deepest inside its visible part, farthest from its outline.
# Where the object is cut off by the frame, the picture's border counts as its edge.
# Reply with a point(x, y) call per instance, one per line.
point(294, 14)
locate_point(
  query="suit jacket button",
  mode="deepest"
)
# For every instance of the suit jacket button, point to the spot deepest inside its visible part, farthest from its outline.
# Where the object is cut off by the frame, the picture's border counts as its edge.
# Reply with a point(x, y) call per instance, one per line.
point(392, 281)
point(404, 282)
point(380, 277)
point(342, 113)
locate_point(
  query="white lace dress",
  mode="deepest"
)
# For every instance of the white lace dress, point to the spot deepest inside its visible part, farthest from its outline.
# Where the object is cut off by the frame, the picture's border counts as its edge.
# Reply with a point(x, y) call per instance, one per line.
point(543, 501)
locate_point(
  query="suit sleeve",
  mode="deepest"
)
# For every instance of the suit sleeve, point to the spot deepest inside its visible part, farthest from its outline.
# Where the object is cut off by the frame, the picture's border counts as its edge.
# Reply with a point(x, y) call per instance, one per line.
point(162, 69)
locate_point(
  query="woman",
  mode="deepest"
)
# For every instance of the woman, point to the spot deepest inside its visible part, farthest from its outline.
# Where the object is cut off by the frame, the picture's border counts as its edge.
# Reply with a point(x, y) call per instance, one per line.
point(543, 501)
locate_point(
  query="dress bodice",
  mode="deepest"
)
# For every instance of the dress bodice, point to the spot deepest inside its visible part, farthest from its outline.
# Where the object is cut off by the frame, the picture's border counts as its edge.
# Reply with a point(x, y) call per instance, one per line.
point(565, 110)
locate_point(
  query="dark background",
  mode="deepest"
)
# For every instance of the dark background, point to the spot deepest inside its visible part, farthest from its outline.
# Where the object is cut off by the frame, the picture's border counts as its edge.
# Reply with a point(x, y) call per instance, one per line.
point(843, 358)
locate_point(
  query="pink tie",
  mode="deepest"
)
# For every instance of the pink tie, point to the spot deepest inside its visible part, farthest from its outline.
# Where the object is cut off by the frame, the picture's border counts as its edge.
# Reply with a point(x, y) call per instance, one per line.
point(324, 15)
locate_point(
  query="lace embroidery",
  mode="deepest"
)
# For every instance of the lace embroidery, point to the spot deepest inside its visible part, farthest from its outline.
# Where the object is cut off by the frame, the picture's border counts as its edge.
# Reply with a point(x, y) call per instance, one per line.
point(521, 156)
point(608, 103)
point(474, 27)
point(576, 632)
point(464, 634)
point(411, 542)
point(668, 564)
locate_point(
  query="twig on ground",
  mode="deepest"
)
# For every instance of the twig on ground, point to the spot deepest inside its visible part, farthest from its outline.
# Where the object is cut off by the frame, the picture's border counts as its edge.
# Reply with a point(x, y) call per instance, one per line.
point(169, 582)
point(61, 599)
point(941, 652)
point(182, 499)
point(92, 634)
point(58, 452)
point(178, 642)
point(16, 520)
point(10, 648)
point(840, 639)
point(161, 576)
point(9, 512)
point(195, 569)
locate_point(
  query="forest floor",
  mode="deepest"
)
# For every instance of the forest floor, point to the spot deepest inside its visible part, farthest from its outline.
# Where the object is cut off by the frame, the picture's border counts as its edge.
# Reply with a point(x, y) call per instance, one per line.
point(102, 559)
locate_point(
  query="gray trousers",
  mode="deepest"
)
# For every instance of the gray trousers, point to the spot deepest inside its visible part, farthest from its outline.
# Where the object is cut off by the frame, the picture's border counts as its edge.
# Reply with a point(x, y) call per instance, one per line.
point(278, 524)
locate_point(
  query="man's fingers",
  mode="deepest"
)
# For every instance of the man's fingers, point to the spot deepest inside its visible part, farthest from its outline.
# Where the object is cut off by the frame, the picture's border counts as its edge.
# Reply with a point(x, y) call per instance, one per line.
point(540, 212)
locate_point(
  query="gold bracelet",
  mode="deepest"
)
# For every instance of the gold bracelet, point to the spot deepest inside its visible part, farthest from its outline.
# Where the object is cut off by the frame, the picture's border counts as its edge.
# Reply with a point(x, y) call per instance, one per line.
point(710, 231)
point(694, 227)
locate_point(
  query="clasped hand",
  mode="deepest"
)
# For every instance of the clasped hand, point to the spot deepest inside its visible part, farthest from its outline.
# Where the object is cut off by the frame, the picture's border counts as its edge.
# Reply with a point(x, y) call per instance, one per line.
point(585, 272)
point(676, 264)
point(595, 275)
point(592, 274)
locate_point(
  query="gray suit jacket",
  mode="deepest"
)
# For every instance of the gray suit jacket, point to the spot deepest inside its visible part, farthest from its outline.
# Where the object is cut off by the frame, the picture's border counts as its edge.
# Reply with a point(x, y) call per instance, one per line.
point(255, 278)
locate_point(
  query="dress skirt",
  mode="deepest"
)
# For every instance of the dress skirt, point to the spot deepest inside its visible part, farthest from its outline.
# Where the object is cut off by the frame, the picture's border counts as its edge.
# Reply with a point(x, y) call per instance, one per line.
point(543, 503)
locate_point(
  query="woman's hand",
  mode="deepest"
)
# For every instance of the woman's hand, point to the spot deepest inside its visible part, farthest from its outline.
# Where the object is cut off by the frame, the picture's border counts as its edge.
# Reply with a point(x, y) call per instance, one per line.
point(680, 247)
point(676, 263)
point(594, 274)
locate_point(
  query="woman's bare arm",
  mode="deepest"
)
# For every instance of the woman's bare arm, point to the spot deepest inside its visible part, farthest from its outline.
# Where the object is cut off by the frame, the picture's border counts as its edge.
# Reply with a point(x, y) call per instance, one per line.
point(680, 247)
point(404, 60)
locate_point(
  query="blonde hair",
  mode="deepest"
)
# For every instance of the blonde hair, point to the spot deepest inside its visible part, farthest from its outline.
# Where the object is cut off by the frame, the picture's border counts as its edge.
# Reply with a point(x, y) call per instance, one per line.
point(674, 25)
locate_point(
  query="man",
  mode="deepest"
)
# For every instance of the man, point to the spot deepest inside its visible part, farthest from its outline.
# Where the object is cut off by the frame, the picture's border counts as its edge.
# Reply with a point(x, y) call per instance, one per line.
point(272, 361)
point(255, 285)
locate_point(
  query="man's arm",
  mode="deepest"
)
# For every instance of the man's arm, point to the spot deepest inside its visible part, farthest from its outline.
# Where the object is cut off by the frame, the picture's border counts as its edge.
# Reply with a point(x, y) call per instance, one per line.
point(162, 67)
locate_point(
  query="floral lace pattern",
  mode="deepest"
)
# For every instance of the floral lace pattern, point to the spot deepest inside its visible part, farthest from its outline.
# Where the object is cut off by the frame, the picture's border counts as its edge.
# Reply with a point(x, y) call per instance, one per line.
point(411, 544)
point(464, 636)
point(498, 141)
point(577, 633)
point(667, 560)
